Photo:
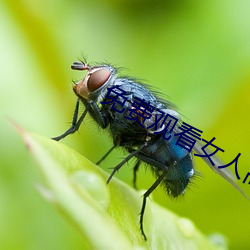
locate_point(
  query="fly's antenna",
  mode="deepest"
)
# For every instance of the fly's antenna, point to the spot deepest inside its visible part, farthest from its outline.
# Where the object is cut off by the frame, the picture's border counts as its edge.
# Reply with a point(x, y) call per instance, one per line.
point(80, 66)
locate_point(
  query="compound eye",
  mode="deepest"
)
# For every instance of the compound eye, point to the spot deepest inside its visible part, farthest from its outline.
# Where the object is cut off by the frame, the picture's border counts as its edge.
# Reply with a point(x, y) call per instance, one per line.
point(97, 79)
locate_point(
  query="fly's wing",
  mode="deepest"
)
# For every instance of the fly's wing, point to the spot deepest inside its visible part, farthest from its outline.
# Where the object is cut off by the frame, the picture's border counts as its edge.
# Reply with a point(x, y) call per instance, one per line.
point(224, 172)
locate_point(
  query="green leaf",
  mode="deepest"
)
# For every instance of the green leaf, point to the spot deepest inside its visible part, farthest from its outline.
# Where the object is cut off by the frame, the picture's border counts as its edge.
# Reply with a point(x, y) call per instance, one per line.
point(107, 215)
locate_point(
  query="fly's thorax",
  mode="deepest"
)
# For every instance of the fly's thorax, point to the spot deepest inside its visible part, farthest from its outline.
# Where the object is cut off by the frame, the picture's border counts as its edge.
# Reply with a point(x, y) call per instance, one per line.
point(93, 86)
point(160, 126)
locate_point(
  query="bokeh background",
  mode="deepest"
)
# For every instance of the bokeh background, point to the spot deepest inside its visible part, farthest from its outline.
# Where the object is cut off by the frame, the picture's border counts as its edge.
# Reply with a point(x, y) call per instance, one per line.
point(195, 52)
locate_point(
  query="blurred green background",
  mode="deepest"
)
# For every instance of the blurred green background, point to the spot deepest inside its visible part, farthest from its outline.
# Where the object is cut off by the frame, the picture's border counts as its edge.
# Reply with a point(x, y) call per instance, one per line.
point(195, 52)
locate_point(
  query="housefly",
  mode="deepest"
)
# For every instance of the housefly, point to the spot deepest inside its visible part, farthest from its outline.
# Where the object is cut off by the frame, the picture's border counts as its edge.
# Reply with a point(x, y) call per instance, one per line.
point(110, 101)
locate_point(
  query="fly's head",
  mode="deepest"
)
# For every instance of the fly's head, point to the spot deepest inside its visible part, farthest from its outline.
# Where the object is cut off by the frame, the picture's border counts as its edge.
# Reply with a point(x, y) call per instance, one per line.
point(96, 80)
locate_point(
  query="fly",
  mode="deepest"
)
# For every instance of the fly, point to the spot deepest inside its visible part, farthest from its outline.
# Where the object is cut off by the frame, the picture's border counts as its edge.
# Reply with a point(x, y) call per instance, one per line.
point(111, 102)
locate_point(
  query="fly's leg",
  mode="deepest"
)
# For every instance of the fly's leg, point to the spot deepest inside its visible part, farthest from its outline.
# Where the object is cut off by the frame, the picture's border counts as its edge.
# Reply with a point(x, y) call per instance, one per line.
point(125, 160)
point(105, 155)
point(93, 109)
point(75, 124)
point(145, 196)
point(136, 167)
point(97, 114)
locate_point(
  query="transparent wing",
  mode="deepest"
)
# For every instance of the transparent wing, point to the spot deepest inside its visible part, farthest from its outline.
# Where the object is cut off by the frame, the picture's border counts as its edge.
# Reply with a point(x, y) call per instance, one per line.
point(224, 172)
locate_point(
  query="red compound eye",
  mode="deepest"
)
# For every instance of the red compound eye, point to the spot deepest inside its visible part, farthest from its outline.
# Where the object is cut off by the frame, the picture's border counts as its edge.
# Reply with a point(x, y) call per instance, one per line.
point(97, 79)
